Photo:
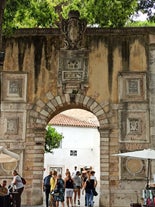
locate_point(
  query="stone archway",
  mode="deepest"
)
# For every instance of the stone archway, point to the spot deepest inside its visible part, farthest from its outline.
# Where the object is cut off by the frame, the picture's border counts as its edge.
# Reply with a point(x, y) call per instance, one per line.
point(39, 116)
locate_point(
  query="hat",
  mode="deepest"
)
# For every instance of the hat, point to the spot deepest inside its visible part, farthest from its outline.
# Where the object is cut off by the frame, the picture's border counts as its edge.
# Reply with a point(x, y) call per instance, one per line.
point(92, 172)
point(84, 171)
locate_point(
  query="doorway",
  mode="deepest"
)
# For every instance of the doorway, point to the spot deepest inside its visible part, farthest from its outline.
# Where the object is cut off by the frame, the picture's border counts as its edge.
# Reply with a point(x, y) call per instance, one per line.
point(80, 146)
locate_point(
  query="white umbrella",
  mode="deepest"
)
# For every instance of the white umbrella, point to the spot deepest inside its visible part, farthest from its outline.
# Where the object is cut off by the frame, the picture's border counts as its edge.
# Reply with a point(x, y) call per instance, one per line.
point(146, 154)
point(7, 156)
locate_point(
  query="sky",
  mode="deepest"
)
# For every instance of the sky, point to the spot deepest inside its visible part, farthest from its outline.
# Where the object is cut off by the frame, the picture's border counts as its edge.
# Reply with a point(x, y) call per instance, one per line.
point(140, 17)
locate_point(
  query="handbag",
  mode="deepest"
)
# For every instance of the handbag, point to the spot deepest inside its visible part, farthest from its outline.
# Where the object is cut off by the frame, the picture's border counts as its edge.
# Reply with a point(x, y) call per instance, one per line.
point(94, 192)
point(56, 192)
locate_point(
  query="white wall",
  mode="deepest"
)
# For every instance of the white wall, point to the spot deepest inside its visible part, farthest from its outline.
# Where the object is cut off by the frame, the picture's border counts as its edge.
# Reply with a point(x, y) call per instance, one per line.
point(87, 143)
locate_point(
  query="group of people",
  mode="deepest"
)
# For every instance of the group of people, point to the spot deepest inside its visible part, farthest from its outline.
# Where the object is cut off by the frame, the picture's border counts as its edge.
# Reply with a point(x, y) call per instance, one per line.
point(12, 193)
point(58, 189)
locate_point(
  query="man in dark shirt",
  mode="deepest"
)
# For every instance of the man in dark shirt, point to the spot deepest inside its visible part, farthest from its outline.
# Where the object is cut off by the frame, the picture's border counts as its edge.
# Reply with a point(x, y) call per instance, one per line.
point(47, 187)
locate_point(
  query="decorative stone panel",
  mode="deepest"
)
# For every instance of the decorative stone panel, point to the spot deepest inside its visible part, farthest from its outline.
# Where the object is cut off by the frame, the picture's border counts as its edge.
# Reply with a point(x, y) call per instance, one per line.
point(14, 87)
point(133, 126)
point(73, 72)
point(12, 126)
point(132, 86)
point(132, 169)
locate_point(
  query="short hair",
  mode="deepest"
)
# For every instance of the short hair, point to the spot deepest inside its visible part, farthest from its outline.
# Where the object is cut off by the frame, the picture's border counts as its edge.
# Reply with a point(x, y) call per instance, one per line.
point(59, 175)
point(15, 171)
point(54, 172)
point(4, 181)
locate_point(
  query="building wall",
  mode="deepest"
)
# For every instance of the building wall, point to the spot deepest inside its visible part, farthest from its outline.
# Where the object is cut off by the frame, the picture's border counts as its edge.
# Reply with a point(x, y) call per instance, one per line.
point(87, 144)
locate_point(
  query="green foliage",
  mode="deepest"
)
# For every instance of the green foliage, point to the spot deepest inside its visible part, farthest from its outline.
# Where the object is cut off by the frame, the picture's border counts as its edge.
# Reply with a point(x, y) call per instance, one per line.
point(47, 13)
point(28, 14)
point(52, 139)
point(111, 13)
point(140, 24)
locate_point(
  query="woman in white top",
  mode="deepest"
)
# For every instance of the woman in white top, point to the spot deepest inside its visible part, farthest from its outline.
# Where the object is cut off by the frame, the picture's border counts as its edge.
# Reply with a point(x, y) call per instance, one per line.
point(77, 187)
point(19, 187)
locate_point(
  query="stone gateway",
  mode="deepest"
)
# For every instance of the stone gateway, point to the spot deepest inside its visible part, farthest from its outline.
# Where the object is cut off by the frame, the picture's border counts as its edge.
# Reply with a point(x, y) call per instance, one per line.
point(109, 72)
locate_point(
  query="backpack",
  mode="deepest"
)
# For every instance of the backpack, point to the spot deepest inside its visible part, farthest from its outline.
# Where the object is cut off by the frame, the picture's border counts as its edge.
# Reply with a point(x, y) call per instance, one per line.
point(47, 180)
point(23, 181)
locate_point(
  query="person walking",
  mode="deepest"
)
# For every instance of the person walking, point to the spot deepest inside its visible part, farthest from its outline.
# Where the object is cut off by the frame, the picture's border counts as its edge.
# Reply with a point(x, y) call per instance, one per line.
point(53, 182)
point(74, 172)
point(47, 187)
point(19, 187)
point(84, 178)
point(93, 180)
point(77, 187)
point(59, 191)
point(89, 187)
point(69, 185)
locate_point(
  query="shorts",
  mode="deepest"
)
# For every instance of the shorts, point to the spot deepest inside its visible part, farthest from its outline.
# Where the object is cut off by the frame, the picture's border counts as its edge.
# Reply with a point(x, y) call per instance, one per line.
point(69, 192)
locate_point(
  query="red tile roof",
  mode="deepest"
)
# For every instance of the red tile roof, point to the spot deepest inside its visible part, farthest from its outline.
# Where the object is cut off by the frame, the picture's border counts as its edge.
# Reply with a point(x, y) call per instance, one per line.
point(64, 120)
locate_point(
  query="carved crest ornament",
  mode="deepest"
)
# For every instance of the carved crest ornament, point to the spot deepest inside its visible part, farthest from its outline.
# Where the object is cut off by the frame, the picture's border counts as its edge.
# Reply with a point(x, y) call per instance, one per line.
point(73, 29)
point(73, 59)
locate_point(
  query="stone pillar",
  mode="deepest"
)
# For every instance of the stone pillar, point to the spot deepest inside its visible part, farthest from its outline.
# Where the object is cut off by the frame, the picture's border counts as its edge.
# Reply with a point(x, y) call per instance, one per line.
point(104, 165)
point(151, 92)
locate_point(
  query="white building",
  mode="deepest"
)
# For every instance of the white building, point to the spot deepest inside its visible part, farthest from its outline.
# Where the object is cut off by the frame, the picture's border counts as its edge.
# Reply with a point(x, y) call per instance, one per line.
point(80, 146)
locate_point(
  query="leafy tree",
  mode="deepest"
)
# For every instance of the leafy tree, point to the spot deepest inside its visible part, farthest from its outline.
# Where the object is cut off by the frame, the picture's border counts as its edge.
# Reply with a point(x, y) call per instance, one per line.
point(46, 13)
point(52, 139)
point(28, 14)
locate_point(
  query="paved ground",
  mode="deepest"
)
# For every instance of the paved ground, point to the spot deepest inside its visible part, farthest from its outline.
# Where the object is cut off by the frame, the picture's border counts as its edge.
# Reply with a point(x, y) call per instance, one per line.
point(96, 202)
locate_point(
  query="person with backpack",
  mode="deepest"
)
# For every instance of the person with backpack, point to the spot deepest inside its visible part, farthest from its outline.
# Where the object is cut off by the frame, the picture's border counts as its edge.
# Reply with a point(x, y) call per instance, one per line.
point(47, 187)
point(18, 186)
point(59, 191)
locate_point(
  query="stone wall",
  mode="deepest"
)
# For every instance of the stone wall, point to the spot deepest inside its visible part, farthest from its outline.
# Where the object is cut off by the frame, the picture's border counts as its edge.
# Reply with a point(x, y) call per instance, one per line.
point(108, 72)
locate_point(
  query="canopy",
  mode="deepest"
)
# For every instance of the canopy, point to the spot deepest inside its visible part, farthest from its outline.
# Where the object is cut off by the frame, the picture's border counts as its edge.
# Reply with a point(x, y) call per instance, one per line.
point(141, 154)
point(145, 154)
point(7, 156)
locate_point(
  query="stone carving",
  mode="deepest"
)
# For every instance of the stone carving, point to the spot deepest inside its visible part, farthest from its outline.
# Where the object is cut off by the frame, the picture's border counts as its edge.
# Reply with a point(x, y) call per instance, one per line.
point(132, 169)
point(73, 29)
point(132, 87)
point(12, 126)
point(14, 87)
point(73, 72)
point(134, 126)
